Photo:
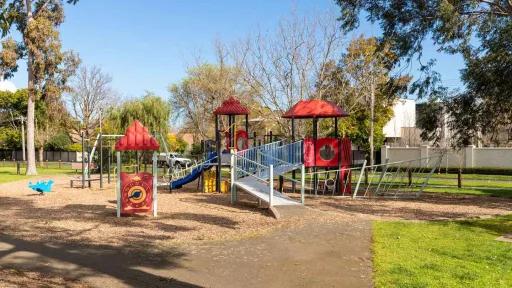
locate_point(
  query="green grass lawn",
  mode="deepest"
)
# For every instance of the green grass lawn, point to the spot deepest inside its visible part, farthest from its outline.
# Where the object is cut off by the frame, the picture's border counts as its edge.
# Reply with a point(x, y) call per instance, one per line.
point(443, 253)
point(8, 174)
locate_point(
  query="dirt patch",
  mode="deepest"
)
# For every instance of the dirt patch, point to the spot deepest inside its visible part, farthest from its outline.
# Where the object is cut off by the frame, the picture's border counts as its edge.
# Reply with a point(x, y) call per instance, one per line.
point(429, 206)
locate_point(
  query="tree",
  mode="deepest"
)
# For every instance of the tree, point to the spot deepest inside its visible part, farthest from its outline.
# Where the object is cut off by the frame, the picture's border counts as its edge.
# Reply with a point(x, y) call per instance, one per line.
point(13, 105)
point(176, 143)
point(151, 110)
point(205, 87)
point(477, 29)
point(90, 95)
point(361, 83)
point(285, 65)
point(37, 21)
point(450, 23)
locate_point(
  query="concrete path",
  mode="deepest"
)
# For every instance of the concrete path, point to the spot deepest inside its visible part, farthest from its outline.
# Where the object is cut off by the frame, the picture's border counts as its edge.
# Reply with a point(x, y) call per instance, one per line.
point(313, 255)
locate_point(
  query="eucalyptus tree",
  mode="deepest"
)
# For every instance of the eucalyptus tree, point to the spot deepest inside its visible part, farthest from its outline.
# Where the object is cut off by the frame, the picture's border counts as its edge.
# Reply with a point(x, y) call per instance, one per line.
point(479, 30)
point(37, 21)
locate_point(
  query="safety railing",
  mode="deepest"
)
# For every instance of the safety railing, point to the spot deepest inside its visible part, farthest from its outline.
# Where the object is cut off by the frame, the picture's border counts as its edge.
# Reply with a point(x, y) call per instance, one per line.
point(287, 154)
point(178, 173)
point(244, 167)
point(401, 179)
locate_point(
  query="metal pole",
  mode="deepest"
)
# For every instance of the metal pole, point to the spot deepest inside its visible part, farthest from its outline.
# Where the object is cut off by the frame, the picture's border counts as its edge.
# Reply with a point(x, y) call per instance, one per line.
point(293, 140)
point(83, 160)
point(155, 187)
point(359, 180)
point(118, 184)
point(231, 132)
point(109, 159)
point(219, 158)
point(232, 180)
point(101, 150)
point(302, 183)
point(101, 160)
point(271, 185)
point(315, 136)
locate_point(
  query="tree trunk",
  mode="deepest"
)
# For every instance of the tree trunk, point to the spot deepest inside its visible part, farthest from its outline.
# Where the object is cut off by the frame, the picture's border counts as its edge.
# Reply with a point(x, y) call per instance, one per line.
point(31, 149)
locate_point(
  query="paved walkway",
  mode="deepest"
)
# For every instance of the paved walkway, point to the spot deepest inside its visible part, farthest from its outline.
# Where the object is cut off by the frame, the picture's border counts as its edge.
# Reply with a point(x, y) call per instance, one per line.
point(313, 255)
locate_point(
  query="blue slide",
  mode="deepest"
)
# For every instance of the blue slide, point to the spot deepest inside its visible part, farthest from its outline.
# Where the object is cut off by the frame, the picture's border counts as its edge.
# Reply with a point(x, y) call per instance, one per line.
point(195, 173)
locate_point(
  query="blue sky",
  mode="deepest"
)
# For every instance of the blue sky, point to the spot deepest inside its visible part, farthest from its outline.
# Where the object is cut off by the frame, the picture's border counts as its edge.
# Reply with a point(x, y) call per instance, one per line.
point(146, 45)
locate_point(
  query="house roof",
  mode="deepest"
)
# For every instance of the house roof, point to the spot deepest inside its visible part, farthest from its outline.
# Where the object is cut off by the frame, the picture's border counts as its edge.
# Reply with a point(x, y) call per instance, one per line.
point(315, 108)
point(136, 138)
point(231, 106)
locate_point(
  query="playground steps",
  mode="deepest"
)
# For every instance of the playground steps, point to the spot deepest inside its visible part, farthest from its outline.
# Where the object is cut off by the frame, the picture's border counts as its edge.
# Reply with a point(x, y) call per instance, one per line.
point(261, 191)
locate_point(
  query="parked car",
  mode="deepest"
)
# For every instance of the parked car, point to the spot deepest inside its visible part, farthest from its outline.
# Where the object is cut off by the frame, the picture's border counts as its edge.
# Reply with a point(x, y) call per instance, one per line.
point(175, 159)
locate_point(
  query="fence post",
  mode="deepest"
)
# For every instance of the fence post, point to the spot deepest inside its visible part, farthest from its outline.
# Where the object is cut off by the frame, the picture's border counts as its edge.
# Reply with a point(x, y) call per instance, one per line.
point(302, 183)
point(271, 184)
point(459, 178)
point(18, 168)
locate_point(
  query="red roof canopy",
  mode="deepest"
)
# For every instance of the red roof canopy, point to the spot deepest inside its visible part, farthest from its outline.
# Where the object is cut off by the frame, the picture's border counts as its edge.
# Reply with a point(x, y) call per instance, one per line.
point(231, 106)
point(315, 108)
point(136, 138)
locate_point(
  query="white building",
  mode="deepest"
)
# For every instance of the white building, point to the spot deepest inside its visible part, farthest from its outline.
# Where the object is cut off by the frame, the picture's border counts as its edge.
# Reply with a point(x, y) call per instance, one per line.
point(404, 116)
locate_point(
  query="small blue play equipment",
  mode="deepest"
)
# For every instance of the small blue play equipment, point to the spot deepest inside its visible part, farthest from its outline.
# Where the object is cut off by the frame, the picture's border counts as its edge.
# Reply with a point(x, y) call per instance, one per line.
point(41, 186)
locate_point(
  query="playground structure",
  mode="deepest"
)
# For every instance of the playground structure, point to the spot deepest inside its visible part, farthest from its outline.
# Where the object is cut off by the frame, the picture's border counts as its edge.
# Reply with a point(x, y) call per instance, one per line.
point(327, 161)
point(327, 152)
point(136, 192)
point(254, 169)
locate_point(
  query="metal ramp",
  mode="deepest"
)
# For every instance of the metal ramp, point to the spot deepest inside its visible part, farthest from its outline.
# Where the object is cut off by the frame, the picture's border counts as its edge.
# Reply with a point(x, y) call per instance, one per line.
point(253, 170)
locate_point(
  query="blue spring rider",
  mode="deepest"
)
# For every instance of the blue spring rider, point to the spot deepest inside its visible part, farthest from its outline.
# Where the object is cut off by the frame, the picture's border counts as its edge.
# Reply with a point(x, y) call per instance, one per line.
point(41, 186)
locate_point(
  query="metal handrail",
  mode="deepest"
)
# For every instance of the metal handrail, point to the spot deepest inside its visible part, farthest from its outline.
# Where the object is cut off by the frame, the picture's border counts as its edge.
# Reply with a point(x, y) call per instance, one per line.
point(181, 172)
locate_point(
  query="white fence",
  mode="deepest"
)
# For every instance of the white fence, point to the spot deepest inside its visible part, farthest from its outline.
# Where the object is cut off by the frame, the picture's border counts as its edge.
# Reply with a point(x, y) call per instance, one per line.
point(469, 157)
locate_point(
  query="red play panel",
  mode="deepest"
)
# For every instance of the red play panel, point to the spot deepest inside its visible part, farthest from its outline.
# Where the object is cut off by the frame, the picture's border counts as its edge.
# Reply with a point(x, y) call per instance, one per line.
point(241, 140)
point(327, 152)
point(136, 193)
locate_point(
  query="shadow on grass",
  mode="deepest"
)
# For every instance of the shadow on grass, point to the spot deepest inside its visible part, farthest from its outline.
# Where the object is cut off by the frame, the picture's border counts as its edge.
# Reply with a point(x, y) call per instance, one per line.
point(499, 225)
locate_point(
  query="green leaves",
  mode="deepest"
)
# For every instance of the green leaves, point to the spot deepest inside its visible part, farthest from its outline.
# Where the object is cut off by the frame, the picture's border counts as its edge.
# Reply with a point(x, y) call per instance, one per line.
point(151, 110)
